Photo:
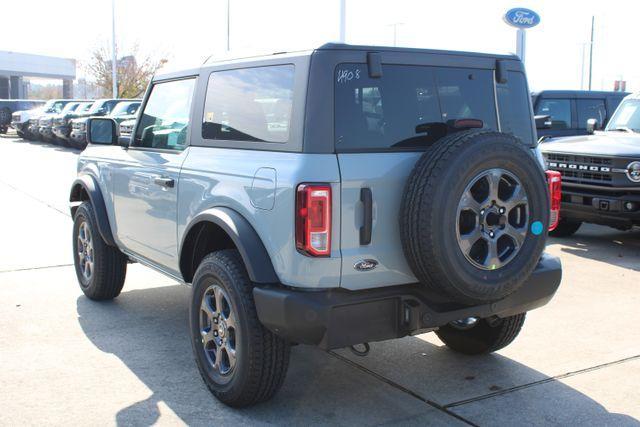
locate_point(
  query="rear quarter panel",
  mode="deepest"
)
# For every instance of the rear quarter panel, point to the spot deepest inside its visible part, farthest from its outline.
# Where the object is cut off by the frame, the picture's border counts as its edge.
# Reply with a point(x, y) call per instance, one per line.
point(220, 177)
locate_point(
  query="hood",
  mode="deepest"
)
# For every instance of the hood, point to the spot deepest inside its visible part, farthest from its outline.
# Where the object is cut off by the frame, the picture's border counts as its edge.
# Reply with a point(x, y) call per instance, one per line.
point(614, 144)
point(77, 115)
point(82, 119)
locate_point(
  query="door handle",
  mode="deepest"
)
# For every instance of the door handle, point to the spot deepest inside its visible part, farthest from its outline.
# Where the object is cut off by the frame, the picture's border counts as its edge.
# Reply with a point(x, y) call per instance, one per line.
point(164, 182)
point(367, 223)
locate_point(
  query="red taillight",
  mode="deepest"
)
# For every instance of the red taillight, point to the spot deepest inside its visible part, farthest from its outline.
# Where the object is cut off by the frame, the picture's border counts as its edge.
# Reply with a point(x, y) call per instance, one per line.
point(313, 219)
point(555, 191)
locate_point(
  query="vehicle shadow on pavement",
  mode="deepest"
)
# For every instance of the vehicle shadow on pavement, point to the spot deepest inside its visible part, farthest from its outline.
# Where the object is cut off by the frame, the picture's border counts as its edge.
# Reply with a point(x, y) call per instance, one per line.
point(147, 330)
point(45, 144)
point(599, 243)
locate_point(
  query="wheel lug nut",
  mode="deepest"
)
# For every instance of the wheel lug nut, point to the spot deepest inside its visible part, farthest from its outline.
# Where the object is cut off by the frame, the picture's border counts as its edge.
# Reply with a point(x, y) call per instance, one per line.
point(482, 212)
point(491, 234)
point(501, 210)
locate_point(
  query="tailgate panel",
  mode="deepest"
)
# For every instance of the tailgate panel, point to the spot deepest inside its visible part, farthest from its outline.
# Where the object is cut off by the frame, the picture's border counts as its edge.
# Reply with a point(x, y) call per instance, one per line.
point(385, 174)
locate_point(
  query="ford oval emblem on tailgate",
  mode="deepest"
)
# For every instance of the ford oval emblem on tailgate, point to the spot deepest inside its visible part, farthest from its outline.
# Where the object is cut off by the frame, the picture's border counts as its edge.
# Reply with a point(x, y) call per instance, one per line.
point(365, 264)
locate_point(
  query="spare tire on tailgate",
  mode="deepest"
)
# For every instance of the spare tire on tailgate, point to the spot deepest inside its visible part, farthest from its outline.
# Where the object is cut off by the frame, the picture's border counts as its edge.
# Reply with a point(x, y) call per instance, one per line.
point(474, 216)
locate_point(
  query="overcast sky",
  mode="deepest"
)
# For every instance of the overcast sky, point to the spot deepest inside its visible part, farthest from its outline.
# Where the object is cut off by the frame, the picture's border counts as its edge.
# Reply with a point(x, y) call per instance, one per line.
point(188, 31)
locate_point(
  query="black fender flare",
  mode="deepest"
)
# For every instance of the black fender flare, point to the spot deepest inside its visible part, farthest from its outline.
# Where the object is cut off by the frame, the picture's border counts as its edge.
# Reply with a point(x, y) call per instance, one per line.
point(245, 238)
point(90, 186)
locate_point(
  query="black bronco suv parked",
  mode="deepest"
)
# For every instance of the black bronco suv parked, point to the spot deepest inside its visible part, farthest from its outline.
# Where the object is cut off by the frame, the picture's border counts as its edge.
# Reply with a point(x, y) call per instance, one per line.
point(600, 172)
point(568, 110)
point(331, 197)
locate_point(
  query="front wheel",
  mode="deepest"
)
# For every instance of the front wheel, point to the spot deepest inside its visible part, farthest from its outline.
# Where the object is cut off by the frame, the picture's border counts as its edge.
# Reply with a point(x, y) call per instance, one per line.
point(100, 268)
point(241, 361)
point(481, 336)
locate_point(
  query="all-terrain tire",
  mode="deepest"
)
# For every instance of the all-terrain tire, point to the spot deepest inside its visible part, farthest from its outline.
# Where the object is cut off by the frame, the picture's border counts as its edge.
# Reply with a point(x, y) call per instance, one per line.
point(262, 358)
point(109, 265)
point(565, 228)
point(484, 337)
point(428, 215)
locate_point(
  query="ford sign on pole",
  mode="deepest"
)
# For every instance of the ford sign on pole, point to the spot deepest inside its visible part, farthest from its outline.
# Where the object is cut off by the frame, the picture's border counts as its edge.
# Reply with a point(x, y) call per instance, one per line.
point(522, 19)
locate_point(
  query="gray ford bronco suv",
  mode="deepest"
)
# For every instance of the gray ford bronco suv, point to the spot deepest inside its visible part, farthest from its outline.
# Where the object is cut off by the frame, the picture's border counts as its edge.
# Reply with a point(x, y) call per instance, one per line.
point(333, 197)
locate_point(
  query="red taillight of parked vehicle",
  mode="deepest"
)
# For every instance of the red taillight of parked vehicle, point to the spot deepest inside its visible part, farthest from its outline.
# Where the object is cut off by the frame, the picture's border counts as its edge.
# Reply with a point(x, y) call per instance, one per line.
point(313, 219)
point(555, 192)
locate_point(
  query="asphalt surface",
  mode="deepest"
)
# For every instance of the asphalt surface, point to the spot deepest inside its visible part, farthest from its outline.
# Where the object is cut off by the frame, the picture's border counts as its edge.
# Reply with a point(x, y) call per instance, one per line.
point(67, 360)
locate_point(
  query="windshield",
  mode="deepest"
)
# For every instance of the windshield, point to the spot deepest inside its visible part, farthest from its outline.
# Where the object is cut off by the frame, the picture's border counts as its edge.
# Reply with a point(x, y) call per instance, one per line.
point(98, 106)
point(47, 106)
point(69, 107)
point(626, 117)
point(84, 107)
point(53, 106)
point(125, 108)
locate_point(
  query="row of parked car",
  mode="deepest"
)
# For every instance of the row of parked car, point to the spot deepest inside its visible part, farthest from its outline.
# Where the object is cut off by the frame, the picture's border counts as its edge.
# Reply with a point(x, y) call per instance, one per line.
point(63, 121)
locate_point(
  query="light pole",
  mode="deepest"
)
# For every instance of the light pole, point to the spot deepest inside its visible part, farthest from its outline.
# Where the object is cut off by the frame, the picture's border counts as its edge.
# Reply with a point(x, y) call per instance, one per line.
point(114, 65)
point(343, 21)
point(395, 32)
point(593, 18)
point(228, 24)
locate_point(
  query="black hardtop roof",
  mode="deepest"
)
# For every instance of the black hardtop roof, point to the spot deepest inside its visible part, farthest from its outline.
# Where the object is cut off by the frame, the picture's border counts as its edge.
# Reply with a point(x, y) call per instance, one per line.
point(326, 47)
point(579, 93)
point(368, 48)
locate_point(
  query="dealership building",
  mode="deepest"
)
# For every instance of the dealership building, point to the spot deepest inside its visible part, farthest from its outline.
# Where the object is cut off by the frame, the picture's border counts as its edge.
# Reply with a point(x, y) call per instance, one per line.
point(14, 67)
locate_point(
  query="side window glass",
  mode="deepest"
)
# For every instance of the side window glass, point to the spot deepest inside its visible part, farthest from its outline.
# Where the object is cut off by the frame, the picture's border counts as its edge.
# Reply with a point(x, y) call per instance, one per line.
point(590, 109)
point(250, 104)
point(514, 109)
point(165, 118)
point(558, 109)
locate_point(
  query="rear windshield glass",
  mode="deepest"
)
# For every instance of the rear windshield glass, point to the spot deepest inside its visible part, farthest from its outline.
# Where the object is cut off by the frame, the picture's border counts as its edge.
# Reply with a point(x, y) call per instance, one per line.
point(409, 106)
point(251, 104)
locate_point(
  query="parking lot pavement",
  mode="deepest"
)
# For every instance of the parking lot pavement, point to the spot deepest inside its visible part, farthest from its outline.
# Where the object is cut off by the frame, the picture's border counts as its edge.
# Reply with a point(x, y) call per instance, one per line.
point(68, 360)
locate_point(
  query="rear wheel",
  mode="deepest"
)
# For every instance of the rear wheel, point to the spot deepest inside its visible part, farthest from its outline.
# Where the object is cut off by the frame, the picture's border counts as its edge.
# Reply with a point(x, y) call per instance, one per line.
point(100, 268)
point(5, 117)
point(481, 336)
point(241, 361)
point(566, 227)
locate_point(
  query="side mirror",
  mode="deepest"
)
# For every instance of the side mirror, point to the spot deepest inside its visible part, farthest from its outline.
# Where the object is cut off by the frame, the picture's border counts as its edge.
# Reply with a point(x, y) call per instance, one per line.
point(102, 131)
point(592, 126)
point(543, 122)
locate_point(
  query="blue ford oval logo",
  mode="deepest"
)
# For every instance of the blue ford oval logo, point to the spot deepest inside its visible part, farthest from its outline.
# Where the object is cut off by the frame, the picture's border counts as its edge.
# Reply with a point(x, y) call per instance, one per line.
point(520, 17)
point(365, 264)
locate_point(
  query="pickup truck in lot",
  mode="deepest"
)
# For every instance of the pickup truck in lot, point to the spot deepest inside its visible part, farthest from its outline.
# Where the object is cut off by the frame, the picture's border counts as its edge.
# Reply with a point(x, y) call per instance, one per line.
point(569, 110)
point(332, 197)
point(12, 109)
point(101, 107)
point(61, 126)
point(600, 172)
point(43, 115)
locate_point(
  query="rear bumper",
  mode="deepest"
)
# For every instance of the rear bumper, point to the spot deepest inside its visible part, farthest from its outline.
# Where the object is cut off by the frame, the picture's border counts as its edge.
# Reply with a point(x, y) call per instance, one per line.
point(601, 205)
point(339, 318)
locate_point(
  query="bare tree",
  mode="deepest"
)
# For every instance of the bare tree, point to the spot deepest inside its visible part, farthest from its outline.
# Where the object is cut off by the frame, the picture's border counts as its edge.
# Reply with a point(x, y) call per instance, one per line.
point(133, 70)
